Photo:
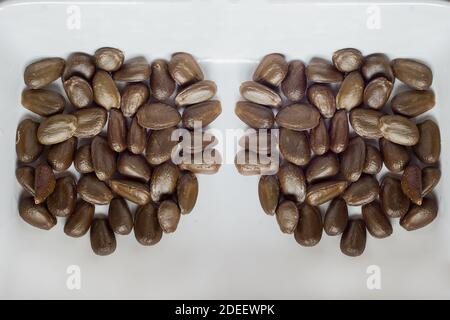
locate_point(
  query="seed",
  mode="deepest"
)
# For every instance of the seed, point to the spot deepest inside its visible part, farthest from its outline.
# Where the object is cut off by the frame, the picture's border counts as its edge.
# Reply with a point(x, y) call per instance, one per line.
point(61, 155)
point(271, 70)
point(198, 92)
point(134, 166)
point(336, 217)
point(413, 102)
point(36, 215)
point(361, 192)
point(348, 59)
point(79, 64)
point(411, 183)
point(319, 139)
point(294, 84)
point(61, 203)
point(365, 122)
point(351, 92)
point(250, 163)
point(119, 217)
point(309, 228)
point(269, 192)
point(106, 93)
point(160, 146)
point(322, 192)
point(399, 129)
point(136, 137)
point(254, 115)
point(146, 226)
point(28, 147)
point(103, 240)
point(184, 69)
point(258, 142)
point(57, 128)
point(79, 222)
point(134, 70)
point(395, 156)
point(339, 132)
point(187, 192)
point(117, 131)
point(321, 167)
point(79, 92)
point(287, 216)
point(430, 179)
point(377, 92)
point(43, 72)
point(93, 190)
point(83, 159)
point(43, 102)
point(109, 59)
point(321, 71)
point(161, 82)
point(353, 159)
point(133, 97)
point(164, 180)
point(292, 182)
point(168, 216)
point(373, 162)
point(393, 201)
point(353, 241)
point(420, 216)
point(376, 65)
point(196, 142)
point(376, 221)
point(412, 73)
point(157, 116)
point(44, 182)
point(103, 158)
point(90, 122)
point(25, 177)
point(294, 146)
point(260, 94)
point(207, 162)
point(133, 191)
point(201, 114)
point(428, 149)
point(322, 97)
point(298, 117)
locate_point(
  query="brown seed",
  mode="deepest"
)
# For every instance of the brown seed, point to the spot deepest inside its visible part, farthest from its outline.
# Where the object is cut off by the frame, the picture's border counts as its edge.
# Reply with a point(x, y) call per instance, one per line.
point(60, 156)
point(136, 137)
point(79, 222)
point(348, 59)
point(322, 71)
point(250, 163)
point(161, 82)
point(353, 241)
point(271, 70)
point(109, 59)
point(321, 167)
point(146, 226)
point(428, 149)
point(420, 216)
point(201, 114)
point(134, 166)
point(164, 180)
point(373, 162)
point(287, 216)
point(79, 64)
point(106, 93)
point(184, 69)
point(258, 93)
point(294, 84)
point(321, 96)
point(413, 102)
point(298, 117)
point(103, 158)
point(43, 102)
point(44, 182)
point(57, 128)
point(62, 201)
point(119, 217)
point(351, 92)
point(134, 70)
point(376, 65)
point(103, 240)
point(393, 201)
point(269, 192)
point(160, 146)
point(412, 73)
point(25, 177)
point(292, 182)
point(36, 215)
point(43, 72)
point(133, 97)
point(339, 134)
point(377, 222)
point(258, 141)
point(79, 92)
point(83, 159)
point(377, 93)
point(195, 141)
point(353, 159)
point(90, 122)
point(399, 129)
point(206, 162)
point(319, 139)
point(309, 228)
point(294, 146)
point(28, 147)
point(430, 179)
point(363, 191)
point(187, 192)
point(322, 192)
point(117, 131)
point(365, 122)
point(336, 217)
point(395, 156)
point(195, 93)
point(254, 115)
point(93, 190)
point(157, 116)
point(411, 183)
point(168, 216)
point(133, 191)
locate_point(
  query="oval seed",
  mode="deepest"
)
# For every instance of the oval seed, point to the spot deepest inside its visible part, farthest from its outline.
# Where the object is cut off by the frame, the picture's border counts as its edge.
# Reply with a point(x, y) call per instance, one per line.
point(430, 179)
point(36, 215)
point(57, 128)
point(103, 158)
point(348, 59)
point(61, 203)
point(298, 117)
point(428, 149)
point(83, 159)
point(413, 102)
point(133, 166)
point(258, 93)
point(157, 116)
point(117, 131)
point(146, 226)
point(43, 102)
point(119, 217)
point(254, 115)
point(90, 121)
point(268, 192)
point(321, 71)
point(160, 146)
point(168, 216)
point(271, 70)
point(133, 97)
point(43, 72)
point(393, 201)
point(294, 146)
point(28, 147)
point(94, 191)
point(25, 177)
point(373, 162)
point(339, 134)
point(133, 191)
point(250, 163)
point(309, 228)
point(365, 122)
point(322, 97)
point(351, 92)
point(322, 192)
point(321, 167)
point(134, 70)
point(79, 222)
point(395, 156)
point(377, 222)
point(287, 216)
point(412, 73)
point(411, 183)
point(353, 241)
point(79, 64)
point(136, 137)
point(44, 182)
point(206, 162)
point(109, 59)
point(292, 182)
point(198, 92)
point(361, 192)
point(399, 129)
point(103, 240)
point(187, 192)
point(164, 180)
point(319, 139)
point(201, 114)
point(420, 216)
point(106, 93)
point(60, 156)
point(377, 93)
point(336, 217)
point(184, 69)
point(294, 84)
point(376, 65)
point(79, 92)
point(353, 159)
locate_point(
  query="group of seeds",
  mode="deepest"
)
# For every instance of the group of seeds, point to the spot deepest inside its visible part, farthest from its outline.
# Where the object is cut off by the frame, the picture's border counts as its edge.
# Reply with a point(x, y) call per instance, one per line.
point(142, 105)
point(324, 161)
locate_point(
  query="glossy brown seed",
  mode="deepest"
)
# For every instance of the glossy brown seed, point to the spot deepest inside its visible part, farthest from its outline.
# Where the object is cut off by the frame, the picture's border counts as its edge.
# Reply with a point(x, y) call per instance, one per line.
point(294, 146)
point(206, 162)
point(146, 226)
point(133, 70)
point(399, 129)
point(117, 131)
point(109, 59)
point(60, 156)
point(36, 215)
point(160, 146)
point(254, 115)
point(348, 59)
point(133, 97)
point(250, 163)
point(106, 93)
point(168, 216)
point(319, 140)
point(365, 122)
point(375, 65)
point(43, 102)
point(25, 177)
point(157, 116)
point(298, 117)
point(61, 203)
point(136, 137)
point(195, 141)
point(133, 191)
point(353, 159)
point(377, 222)
point(339, 134)
point(292, 182)
point(90, 122)
point(309, 228)
point(321, 167)
point(119, 216)
point(161, 83)
point(287, 216)
point(259, 142)
point(164, 180)
point(93, 190)
point(430, 179)
point(428, 149)
point(363, 191)
point(322, 97)
point(103, 240)
point(79, 92)
point(43, 72)
point(322, 192)
point(353, 241)
point(83, 159)
point(57, 128)
point(413, 102)
point(44, 182)
point(271, 70)
point(294, 84)
point(103, 158)
point(195, 93)
point(79, 222)
point(336, 217)
point(420, 216)
point(322, 71)
point(79, 64)
point(395, 156)
point(28, 147)
point(258, 93)
point(134, 166)
point(184, 69)
point(412, 73)
point(350, 94)
point(411, 183)
point(187, 192)
point(268, 192)
point(373, 162)
point(377, 93)
point(393, 201)
point(201, 114)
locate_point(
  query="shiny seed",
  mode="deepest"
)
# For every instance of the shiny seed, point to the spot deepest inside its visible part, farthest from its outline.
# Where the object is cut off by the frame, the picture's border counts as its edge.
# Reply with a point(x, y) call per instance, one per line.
point(430, 179)
point(79, 92)
point(164, 181)
point(160, 146)
point(57, 128)
point(168, 216)
point(321, 167)
point(322, 71)
point(428, 149)
point(271, 70)
point(133, 191)
point(207, 162)
point(412, 73)
point(136, 137)
point(36, 215)
point(294, 84)
point(395, 156)
point(413, 102)
point(157, 116)
point(292, 182)
point(161, 83)
point(93, 190)
point(28, 147)
point(319, 139)
point(353, 159)
point(44, 182)
point(119, 216)
point(109, 59)
point(339, 134)
point(361, 192)
point(134, 70)
point(201, 114)
point(258, 93)
point(43, 72)
point(309, 228)
point(322, 97)
point(25, 177)
point(259, 142)
point(195, 141)
point(103, 158)
point(61, 203)
point(106, 93)
point(184, 69)
point(79, 64)
point(399, 129)
point(133, 97)
point(373, 162)
point(294, 146)
point(117, 131)
point(298, 117)
point(43, 102)
point(133, 166)
point(351, 92)
point(60, 156)
point(420, 216)
point(79, 222)
point(376, 65)
point(187, 192)
point(287, 216)
point(322, 192)
point(365, 122)
point(90, 122)
point(353, 241)
point(377, 93)
point(195, 93)
point(83, 159)
point(254, 115)
point(377, 222)
point(411, 183)
point(146, 226)
point(103, 240)
point(336, 217)
point(393, 201)
point(348, 59)
point(249, 163)
point(269, 192)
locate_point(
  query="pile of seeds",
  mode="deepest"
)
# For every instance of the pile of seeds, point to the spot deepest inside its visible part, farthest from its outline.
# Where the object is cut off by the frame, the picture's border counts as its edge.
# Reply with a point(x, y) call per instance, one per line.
point(323, 160)
point(141, 105)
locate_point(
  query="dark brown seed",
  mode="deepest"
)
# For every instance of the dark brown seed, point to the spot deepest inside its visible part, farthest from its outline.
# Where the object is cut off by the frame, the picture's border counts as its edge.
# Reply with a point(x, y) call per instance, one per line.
point(103, 240)
point(339, 132)
point(62, 201)
point(106, 93)
point(319, 139)
point(119, 217)
point(348, 59)
point(93, 190)
point(269, 192)
point(413, 102)
point(25, 177)
point(187, 192)
point(395, 156)
point(322, 192)
point(294, 84)
point(254, 115)
point(399, 129)
point(412, 73)
point(43, 72)
point(134, 166)
point(258, 93)
point(322, 97)
point(365, 122)
point(79, 92)
point(109, 59)
point(157, 116)
point(164, 180)
point(90, 122)
point(36, 215)
point(322, 71)
point(57, 128)
point(103, 158)
point(321, 167)
point(117, 131)
point(351, 92)
point(287, 216)
point(377, 222)
point(198, 92)
point(201, 114)
point(259, 142)
point(373, 162)
point(363, 191)
point(133, 97)
point(206, 162)
point(43, 102)
point(83, 159)
point(161, 83)
point(375, 65)
point(298, 117)
point(430, 179)
point(79, 222)
point(292, 182)
point(420, 216)
point(79, 64)
point(146, 226)
point(353, 159)
point(168, 216)
point(377, 92)
point(184, 69)
point(294, 146)
point(28, 147)
point(353, 241)
point(44, 182)
point(271, 70)
point(336, 217)
point(249, 163)
point(411, 183)
point(428, 149)
point(60, 156)
point(136, 137)
point(393, 201)
point(133, 191)
point(309, 228)
point(160, 146)
point(134, 70)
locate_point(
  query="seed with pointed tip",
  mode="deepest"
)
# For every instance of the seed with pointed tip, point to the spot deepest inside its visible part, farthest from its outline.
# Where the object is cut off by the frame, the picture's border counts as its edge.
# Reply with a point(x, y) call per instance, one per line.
point(79, 92)
point(254, 115)
point(61, 203)
point(353, 240)
point(36, 215)
point(258, 93)
point(133, 70)
point(373, 162)
point(430, 179)
point(339, 134)
point(321, 167)
point(294, 84)
point(168, 216)
point(79, 64)
point(294, 146)
point(161, 83)
point(319, 139)
point(375, 65)
point(395, 156)
point(119, 216)
point(43, 102)
point(83, 159)
point(322, 192)
point(201, 114)
point(103, 240)
point(420, 216)
point(117, 131)
point(411, 183)
point(61, 155)
point(184, 69)
point(351, 92)
point(44, 182)
point(133, 191)
point(322, 97)
point(94, 191)
point(146, 226)
point(377, 92)
point(106, 93)
point(292, 182)
point(103, 158)
point(271, 70)
point(198, 92)
point(43, 72)
point(25, 177)
point(363, 191)
point(133, 97)
point(134, 166)
point(79, 222)
point(164, 180)
point(377, 222)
